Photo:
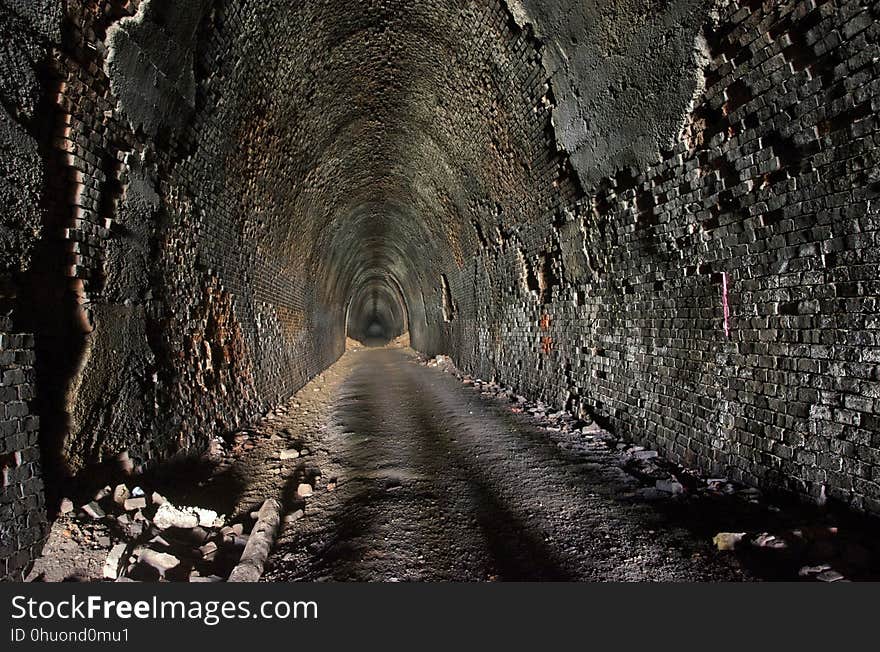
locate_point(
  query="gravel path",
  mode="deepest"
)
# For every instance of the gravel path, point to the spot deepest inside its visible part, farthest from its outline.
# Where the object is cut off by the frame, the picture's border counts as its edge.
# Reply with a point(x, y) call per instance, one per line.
point(391, 469)
point(429, 480)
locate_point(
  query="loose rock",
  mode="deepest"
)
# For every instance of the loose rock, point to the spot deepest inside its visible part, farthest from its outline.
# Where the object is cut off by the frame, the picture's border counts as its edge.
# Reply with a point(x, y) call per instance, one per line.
point(93, 509)
point(727, 540)
point(131, 504)
point(111, 565)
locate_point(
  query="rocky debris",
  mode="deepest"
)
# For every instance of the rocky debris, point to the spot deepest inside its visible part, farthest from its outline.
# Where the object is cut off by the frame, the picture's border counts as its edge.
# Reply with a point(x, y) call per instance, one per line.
point(304, 490)
point(66, 506)
point(443, 362)
point(727, 540)
point(767, 540)
point(138, 535)
point(207, 546)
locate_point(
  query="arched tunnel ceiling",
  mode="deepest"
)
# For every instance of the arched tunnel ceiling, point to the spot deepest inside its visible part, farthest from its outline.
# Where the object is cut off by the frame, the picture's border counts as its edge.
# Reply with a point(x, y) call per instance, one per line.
point(400, 138)
point(397, 127)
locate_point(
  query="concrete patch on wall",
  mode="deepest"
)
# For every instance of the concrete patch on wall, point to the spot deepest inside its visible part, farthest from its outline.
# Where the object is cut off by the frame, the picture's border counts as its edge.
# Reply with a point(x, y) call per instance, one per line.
point(128, 265)
point(111, 399)
point(623, 75)
point(21, 179)
point(150, 64)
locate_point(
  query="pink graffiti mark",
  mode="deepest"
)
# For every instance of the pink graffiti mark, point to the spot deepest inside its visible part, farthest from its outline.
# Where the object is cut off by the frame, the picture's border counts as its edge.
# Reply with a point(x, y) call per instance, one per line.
point(724, 304)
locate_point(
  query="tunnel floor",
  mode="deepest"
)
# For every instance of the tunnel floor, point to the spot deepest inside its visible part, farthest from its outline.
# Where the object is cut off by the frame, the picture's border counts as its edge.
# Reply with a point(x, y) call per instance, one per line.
point(417, 472)
point(430, 479)
point(434, 482)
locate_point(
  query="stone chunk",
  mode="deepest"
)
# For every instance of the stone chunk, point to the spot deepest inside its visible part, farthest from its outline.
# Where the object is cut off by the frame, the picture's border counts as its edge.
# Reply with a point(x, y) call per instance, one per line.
point(93, 509)
point(727, 540)
point(66, 506)
point(304, 490)
point(161, 561)
point(670, 486)
point(111, 564)
point(132, 504)
point(120, 495)
point(289, 454)
point(209, 550)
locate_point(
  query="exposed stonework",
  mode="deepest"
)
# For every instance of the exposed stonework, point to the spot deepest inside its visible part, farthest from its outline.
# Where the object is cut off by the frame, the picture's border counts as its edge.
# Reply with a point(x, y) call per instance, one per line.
point(23, 525)
point(773, 185)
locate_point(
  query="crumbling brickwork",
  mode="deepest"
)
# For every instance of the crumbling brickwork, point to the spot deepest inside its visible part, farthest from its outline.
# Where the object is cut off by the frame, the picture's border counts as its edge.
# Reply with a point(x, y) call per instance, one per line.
point(770, 195)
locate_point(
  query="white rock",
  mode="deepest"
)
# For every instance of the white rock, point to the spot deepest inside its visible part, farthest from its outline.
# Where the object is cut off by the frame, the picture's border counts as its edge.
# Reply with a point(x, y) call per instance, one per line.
point(304, 490)
point(131, 504)
point(289, 454)
point(161, 561)
point(168, 516)
point(111, 564)
point(66, 506)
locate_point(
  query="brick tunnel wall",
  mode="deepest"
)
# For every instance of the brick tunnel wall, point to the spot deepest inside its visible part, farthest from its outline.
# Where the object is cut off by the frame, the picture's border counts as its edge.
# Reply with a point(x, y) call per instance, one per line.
point(181, 260)
point(772, 190)
point(200, 191)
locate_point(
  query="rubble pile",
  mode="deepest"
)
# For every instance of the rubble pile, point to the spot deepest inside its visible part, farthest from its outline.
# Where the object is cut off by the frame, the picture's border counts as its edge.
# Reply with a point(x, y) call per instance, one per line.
point(147, 538)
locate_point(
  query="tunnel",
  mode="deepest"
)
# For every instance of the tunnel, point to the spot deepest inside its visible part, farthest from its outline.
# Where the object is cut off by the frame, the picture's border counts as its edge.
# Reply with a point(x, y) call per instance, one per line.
point(515, 277)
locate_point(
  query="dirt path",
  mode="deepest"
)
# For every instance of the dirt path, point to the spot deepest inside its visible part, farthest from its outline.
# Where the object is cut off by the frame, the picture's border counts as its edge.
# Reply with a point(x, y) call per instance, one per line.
point(435, 482)
point(390, 469)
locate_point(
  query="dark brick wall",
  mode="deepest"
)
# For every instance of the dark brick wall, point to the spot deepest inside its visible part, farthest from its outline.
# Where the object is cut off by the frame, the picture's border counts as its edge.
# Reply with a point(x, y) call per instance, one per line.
point(23, 525)
point(772, 187)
